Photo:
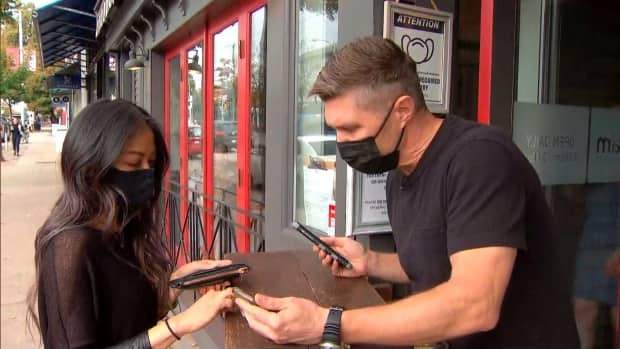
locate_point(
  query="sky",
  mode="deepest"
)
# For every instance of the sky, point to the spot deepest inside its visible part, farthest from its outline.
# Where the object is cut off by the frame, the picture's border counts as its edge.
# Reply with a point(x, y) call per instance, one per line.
point(41, 3)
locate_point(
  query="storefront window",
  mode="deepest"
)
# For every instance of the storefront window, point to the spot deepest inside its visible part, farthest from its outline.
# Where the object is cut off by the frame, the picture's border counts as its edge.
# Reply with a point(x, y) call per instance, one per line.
point(258, 110)
point(174, 139)
point(194, 122)
point(567, 122)
point(225, 71)
point(112, 76)
point(315, 161)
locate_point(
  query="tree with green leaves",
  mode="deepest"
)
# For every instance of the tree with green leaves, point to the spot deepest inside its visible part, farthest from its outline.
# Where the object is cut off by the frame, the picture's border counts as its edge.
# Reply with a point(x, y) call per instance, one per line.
point(12, 83)
point(37, 93)
point(22, 84)
point(6, 6)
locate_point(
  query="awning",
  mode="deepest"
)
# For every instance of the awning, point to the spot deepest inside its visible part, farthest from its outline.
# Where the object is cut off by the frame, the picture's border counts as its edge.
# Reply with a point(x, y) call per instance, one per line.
point(65, 28)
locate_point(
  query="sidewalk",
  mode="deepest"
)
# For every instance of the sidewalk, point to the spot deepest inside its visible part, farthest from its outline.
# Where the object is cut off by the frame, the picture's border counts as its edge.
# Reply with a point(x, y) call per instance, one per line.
point(30, 184)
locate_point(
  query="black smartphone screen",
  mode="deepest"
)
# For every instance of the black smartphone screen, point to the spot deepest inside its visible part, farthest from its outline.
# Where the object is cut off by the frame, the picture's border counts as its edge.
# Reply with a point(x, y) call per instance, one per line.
point(323, 246)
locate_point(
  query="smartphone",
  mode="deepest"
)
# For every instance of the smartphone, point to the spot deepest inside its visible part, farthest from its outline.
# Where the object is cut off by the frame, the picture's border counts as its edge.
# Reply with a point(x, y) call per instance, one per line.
point(243, 295)
point(208, 277)
point(323, 246)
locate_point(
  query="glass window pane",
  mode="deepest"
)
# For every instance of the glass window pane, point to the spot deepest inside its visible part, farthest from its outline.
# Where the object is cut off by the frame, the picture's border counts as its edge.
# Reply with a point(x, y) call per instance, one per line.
point(173, 112)
point(112, 76)
point(225, 69)
point(194, 122)
point(174, 137)
point(567, 117)
point(315, 163)
point(257, 112)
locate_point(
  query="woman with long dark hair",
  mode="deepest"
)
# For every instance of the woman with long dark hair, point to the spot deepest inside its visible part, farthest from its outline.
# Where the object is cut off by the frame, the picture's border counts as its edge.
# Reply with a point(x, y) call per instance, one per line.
point(101, 264)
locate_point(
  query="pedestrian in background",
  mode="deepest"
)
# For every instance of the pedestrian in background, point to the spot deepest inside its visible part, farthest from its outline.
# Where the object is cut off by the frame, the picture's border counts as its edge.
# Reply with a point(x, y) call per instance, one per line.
point(2, 131)
point(17, 131)
point(101, 262)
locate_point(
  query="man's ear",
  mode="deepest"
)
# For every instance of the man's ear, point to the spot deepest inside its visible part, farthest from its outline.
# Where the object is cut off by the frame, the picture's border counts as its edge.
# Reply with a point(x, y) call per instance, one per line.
point(404, 108)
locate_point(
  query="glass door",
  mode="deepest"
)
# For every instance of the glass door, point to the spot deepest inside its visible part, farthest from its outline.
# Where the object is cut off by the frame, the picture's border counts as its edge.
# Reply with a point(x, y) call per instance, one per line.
point(258, 42)
point(194, 111)
point(225, 131)
point(173, 137)
point(236, 116)
point(194, 147)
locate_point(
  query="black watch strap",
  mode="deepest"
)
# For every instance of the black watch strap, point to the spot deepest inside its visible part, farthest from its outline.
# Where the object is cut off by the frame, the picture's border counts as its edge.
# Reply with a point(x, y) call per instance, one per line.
point(331, 332)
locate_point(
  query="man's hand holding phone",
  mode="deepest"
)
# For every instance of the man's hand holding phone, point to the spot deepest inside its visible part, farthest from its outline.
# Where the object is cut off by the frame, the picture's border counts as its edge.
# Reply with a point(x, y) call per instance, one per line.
point(351, 250)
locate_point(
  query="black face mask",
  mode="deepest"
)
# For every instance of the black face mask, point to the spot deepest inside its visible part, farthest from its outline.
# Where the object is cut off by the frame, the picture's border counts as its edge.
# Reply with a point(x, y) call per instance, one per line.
point(138, 186)
point(364, 156)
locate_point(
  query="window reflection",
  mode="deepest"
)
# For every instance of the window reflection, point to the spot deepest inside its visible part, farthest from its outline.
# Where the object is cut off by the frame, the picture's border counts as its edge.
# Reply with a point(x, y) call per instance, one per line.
point(315, 165)
point(195, 122)
point(554, 39)
point(225, 70)
point(258, 104)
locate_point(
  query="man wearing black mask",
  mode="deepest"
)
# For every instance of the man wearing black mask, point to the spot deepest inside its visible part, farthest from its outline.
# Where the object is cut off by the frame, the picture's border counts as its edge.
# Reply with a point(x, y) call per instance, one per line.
point(474, 235)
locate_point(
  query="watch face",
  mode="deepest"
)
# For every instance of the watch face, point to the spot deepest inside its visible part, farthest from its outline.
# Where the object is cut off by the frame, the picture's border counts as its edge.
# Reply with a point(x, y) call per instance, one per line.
point(329, 345)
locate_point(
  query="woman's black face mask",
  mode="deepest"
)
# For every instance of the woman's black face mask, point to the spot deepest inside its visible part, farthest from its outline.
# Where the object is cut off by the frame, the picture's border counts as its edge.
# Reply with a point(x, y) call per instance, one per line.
point(137, 186)
point(364, 155)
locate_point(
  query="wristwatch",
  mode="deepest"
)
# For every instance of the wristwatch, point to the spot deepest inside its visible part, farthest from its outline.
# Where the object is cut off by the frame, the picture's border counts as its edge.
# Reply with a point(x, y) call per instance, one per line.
point(331, 332)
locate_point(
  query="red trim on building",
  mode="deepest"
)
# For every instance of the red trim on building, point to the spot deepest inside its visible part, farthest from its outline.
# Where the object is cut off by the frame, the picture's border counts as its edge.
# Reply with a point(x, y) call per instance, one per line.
point(486, 59)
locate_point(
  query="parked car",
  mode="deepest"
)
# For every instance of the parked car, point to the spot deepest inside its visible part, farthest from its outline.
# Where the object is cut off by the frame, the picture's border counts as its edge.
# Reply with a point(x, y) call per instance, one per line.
point(225, 133)
point(194, 141)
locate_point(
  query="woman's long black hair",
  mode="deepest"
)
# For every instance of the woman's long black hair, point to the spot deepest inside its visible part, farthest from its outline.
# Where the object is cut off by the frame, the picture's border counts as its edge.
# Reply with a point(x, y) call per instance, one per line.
point(93, 143)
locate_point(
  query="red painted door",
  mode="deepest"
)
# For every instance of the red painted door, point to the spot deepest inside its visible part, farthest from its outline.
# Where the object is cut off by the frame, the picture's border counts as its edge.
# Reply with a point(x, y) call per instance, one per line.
point(235, 116)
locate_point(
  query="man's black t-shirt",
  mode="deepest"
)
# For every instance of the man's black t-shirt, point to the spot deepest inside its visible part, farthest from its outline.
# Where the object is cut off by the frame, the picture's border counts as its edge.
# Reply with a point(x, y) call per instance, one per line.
point(473, 188)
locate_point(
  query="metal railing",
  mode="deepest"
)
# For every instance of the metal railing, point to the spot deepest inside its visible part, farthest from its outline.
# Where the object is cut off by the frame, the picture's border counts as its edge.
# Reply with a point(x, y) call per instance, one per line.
point(195, 243)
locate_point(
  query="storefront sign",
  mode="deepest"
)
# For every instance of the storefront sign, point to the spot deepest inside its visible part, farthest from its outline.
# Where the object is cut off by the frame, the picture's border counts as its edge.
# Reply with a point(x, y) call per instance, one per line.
point(604, 159)
point(554, 138)
point(426, 35)
point(66, 81)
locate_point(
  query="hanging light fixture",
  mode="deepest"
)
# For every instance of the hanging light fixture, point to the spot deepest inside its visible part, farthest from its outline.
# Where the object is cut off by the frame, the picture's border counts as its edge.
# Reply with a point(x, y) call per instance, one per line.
point(194, 65)
point(135, 61)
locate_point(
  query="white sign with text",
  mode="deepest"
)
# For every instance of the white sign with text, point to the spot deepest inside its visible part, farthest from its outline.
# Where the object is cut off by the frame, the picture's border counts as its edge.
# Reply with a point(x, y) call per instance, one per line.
point(426, 36)
point(374, 203)
point(554, 138)
point(604, 160)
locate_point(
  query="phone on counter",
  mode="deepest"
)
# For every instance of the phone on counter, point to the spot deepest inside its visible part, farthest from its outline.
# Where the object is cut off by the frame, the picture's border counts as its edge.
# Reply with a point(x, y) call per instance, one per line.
point(209, 277)
point(243, 295)
point(323, 246)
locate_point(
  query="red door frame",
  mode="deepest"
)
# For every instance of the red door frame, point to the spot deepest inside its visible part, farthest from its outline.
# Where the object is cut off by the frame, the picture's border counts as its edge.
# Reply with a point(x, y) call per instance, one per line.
point(242, 15)
point(486, 58)
point(180, 51)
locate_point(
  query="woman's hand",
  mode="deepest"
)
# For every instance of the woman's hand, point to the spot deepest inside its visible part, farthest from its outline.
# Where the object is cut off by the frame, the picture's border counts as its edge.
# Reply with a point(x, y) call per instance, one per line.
point(202, 311)
point(189, 268)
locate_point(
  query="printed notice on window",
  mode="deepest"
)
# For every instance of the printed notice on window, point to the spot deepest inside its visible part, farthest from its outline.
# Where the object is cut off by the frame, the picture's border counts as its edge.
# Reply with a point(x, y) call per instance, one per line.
point(554, 138)
point(374, 203)
point(604, 157)
point(425, 35)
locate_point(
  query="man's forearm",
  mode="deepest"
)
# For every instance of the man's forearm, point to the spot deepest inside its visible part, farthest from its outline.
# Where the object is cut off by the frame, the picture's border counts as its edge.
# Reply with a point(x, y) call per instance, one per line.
point(386, 266)
point(439, 314)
